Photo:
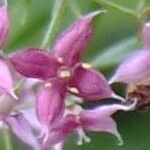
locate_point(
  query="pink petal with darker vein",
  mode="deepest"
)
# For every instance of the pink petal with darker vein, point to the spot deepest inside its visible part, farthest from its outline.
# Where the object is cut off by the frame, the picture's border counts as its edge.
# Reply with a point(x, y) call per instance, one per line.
point(50, 103)
point(34, 63)
point(90, 83)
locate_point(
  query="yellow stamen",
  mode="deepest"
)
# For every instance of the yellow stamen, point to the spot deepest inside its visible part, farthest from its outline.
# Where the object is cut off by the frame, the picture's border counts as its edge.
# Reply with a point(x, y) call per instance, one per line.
point(73, 90)
point(86, 66)
point(64, 72)
point(60, 60)
point(47, 84)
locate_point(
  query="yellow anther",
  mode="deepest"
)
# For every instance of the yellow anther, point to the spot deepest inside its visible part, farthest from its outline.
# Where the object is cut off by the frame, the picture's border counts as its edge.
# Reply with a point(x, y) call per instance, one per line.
point(85, 65)
point(60, 60)
point(64, 72)
point(73, 90)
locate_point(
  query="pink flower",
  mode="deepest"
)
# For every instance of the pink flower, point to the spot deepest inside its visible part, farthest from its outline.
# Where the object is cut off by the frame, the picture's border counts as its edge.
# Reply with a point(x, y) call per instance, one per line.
point(62, 72)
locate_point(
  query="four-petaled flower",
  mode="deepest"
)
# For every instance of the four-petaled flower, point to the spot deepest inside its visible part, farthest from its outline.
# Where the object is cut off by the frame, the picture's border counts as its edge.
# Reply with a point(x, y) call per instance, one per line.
point(62, 72)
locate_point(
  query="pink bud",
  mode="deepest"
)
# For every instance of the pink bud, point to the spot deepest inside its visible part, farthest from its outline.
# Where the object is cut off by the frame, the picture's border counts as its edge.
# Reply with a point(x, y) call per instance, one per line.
point(146, 33)
point(4, 22)
point(134, 69)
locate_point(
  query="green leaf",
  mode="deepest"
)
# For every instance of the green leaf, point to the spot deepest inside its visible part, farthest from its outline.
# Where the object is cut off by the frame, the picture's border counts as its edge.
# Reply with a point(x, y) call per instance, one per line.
point(7, 139)
point(115, 53)
point(120, 8)
point(27, 18)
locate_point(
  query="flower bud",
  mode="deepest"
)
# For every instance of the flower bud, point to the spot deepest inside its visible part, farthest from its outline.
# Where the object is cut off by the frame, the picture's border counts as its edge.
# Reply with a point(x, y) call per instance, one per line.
point(4, 22)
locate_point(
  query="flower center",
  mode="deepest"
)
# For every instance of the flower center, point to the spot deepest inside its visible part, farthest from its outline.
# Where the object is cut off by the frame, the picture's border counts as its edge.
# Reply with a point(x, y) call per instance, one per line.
point(64, 72)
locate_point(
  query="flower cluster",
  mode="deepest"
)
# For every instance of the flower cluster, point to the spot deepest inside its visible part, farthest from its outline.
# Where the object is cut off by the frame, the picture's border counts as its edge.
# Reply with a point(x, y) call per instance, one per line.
point(62, 83)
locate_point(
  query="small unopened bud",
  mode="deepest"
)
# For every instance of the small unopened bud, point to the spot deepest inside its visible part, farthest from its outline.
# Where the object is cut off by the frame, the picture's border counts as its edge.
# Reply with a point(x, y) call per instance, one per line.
point(4, 23)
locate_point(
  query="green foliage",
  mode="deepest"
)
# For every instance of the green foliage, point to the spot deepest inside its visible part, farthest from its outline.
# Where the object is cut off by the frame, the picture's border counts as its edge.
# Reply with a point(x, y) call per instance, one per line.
point(115, 36)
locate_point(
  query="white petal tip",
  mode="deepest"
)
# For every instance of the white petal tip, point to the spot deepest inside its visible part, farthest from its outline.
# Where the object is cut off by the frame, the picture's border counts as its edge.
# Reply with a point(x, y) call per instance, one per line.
point(120, 141)
point(133, 105)
point(119, 138)
point(94, 14)
point(118, 97)
point(13, 95)
point(79, 143)
point(112, 80)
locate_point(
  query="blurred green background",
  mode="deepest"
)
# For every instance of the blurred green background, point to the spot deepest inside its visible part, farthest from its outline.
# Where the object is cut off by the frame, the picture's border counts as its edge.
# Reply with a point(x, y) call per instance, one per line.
point(115, 35)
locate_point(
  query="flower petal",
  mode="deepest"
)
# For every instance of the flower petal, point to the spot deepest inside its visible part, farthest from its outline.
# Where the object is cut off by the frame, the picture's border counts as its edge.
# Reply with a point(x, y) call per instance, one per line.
point(4, 22)
point(20, 126)
point(50, 103)
point(99, 119)
point(63, 128)
point(30, 115)
point(72, 42)
point(134, 69)
point(146, 33)
point(89, 83)
point(34, 63)
point(6, 83)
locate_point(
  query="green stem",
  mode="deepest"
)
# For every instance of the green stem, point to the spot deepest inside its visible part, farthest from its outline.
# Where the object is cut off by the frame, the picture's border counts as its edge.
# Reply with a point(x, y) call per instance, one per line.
point(57, 13)
point(7, 140)
point(141, 5)
point(75, 8)
point(117, 7)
